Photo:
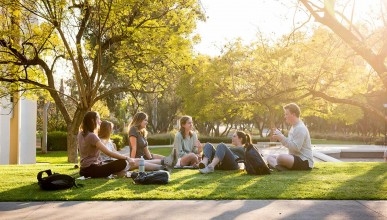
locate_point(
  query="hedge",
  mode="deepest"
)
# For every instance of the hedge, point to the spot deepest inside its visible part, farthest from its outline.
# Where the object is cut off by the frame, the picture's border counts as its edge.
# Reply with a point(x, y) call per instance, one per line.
point(57, 141)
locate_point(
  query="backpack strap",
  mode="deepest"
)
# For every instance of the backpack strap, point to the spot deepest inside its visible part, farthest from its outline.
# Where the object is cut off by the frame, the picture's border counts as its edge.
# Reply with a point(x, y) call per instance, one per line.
point(49, 173)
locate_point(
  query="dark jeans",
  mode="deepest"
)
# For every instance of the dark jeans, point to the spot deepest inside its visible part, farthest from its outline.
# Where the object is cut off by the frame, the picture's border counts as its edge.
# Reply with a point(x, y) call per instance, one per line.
point(104, 170)
point(226, 157)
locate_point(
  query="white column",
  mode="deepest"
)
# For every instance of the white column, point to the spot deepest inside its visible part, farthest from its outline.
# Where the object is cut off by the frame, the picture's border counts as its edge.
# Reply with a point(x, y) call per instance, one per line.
point(27, 131)
point(5, 116)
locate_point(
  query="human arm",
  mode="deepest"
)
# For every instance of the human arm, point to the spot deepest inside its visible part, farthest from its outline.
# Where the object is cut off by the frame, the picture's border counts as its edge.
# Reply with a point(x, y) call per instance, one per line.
point(106, 151)
point(133, 140)
point(295, 139)
point(147, 153)
point(198, 147)
point(178, 144)
point(133, 146)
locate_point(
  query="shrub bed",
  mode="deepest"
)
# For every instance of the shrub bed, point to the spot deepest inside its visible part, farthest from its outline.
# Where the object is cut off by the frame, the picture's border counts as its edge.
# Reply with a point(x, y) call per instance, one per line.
point(57, 141)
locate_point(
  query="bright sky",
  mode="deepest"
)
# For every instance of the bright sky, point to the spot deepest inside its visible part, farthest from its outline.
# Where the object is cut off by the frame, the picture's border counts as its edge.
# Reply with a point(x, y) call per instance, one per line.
point(230, 19)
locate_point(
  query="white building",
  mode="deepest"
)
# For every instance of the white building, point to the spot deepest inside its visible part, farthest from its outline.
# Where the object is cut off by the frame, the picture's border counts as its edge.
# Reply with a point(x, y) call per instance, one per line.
point(18, 131)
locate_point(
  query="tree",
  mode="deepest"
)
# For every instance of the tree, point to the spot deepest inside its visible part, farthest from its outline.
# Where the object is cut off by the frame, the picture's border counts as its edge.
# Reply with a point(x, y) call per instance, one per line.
point(367, 39)
point(111, 47)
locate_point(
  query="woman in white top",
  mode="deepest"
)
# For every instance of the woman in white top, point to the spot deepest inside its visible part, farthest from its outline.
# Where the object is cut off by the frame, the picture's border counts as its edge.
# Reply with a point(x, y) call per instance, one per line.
point(104, 133)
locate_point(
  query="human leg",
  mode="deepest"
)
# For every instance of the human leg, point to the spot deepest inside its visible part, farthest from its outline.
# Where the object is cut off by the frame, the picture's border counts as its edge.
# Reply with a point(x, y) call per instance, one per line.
point(190, 159)
point(154, 161)
point(153, 167)
point(225, 158)
point(157, 156)
point(171, 159)
point(300, 164)
point(272, 160)
point(208, 155)
point(285, 160)
point(98, 171)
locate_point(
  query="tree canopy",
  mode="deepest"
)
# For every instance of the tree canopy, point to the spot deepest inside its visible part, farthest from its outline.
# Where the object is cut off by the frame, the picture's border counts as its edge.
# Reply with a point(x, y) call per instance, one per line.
point(110, 47)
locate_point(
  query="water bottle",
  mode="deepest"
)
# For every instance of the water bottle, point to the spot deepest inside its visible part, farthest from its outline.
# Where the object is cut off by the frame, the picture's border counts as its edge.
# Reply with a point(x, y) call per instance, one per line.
point(141, 166)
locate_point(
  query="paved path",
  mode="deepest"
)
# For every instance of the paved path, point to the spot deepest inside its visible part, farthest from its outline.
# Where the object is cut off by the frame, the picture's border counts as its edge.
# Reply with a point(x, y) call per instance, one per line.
point(197, 209)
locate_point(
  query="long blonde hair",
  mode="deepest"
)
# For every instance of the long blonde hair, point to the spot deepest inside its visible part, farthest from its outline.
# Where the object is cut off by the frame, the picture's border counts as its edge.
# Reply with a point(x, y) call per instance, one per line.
point(105, 130)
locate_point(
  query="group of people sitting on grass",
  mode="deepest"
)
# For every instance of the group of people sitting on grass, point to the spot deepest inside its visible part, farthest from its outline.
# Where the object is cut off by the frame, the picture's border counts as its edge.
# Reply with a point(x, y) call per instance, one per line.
point(100, 158)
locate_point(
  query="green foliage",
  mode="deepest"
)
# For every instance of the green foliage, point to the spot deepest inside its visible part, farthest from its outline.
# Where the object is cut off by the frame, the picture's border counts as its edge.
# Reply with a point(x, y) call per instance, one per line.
point(161, 139)
point(57, 141)
point(113, 47)
point(118, 140)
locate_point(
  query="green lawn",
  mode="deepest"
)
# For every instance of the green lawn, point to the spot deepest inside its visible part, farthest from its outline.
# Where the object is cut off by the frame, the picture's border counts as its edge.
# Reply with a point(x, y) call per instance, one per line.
point(358, 180)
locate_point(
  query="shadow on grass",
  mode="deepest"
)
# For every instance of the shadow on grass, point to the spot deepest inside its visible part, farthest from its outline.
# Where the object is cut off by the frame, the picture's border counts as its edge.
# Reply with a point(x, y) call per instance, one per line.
point(234, 184)
point(359, 186)
point(326, 181)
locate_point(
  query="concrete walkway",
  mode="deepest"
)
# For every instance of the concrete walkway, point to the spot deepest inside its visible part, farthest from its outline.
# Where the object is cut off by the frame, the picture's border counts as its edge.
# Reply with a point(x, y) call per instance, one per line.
point(197, 209)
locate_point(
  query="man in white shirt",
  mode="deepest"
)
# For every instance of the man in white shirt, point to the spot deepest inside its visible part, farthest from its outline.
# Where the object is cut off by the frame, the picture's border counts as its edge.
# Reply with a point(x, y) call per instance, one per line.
point(300, 156)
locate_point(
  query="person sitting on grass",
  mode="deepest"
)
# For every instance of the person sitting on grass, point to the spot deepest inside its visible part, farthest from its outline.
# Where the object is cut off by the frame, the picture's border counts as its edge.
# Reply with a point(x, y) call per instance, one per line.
point(90, 147)
point(139, 145)
point(223, 157)
point(104, 133)
point(298, 142)
point(187, 144)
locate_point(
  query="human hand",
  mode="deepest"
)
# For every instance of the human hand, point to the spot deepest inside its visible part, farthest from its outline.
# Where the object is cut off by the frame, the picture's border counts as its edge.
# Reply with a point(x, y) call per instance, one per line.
point(198, 144)
point(199, 157)
point(131, 161)
point(276, 131)
point(276, 134)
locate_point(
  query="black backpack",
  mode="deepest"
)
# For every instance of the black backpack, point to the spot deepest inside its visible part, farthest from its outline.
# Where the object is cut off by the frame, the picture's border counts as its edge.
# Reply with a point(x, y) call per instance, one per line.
point(254, 162)
point(153, 177)
point(55, 181)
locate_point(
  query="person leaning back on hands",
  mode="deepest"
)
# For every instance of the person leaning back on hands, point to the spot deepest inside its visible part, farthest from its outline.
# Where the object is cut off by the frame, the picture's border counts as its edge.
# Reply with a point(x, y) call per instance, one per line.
point(298, 142)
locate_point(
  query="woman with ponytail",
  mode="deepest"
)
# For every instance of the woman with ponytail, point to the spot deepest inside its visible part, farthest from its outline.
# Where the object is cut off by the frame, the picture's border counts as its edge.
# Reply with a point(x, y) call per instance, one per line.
point(223, 157)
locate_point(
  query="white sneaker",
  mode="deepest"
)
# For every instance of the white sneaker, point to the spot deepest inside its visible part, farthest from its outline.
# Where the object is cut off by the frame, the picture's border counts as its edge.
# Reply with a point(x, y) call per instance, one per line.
point(207, 169)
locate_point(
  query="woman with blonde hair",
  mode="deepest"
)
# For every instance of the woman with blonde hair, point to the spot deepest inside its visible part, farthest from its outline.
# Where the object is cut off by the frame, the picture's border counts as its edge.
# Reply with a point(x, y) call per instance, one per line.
point(104, 133)
point(139, 145)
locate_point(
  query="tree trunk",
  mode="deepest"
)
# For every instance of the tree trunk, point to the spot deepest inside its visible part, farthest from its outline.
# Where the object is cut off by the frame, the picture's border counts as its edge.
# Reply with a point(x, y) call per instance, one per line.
point(72, 147)
point(44, 138)
point(72, 132)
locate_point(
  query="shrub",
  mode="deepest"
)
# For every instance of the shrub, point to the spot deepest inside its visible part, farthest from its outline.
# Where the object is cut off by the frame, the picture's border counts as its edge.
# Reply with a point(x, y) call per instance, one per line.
point(125, 139)
point(118, 139)
point(161, 139)
point(57, 141)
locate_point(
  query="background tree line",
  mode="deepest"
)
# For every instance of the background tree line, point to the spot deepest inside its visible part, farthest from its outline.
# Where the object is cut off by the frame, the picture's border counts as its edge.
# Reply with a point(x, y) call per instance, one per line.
point(125, 56)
